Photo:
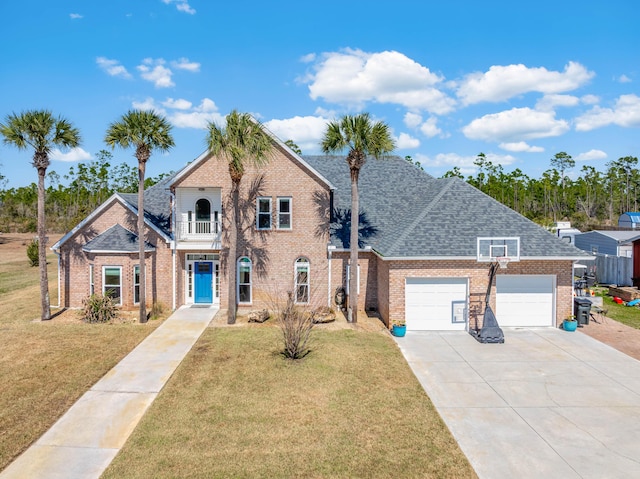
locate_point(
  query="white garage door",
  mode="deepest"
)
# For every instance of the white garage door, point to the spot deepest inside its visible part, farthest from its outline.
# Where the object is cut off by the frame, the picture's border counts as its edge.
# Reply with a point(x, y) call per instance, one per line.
point(525, 300)
point(435, 303)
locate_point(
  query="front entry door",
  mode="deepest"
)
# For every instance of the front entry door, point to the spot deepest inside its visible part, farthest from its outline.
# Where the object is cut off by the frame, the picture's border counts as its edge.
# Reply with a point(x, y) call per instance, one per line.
point(203, 282)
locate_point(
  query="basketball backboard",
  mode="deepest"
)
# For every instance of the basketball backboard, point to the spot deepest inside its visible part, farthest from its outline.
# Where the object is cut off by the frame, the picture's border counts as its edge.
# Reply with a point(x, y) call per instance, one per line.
point(491, 248)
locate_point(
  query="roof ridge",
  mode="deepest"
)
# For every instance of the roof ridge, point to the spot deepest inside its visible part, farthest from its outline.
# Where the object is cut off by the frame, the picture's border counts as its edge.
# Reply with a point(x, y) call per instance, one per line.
point(421, 216)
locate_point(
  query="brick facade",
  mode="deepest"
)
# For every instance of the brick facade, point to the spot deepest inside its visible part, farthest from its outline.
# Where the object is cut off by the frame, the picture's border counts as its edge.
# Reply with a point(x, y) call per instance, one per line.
point(75, 263)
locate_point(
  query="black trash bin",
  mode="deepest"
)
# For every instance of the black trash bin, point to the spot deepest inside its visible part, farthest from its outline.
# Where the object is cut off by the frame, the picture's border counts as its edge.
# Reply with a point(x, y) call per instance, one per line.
point(581, 309)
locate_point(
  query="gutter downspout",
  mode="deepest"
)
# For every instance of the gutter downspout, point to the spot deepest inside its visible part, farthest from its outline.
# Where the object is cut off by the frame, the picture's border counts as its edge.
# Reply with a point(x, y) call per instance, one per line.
point(330, 249)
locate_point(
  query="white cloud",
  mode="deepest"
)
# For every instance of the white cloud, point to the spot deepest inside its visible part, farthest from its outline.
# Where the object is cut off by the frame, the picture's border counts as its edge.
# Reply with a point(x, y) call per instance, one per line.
point(503, 82)
point(75, 16)
point(185, 64)
point(155, 72)
point(550, 102)
point(181, 5)
point(305, 131)
point(354, 77)
point(308, 58)
point(412, 120)
point(75, 154)
point(591, 155)
point(624, 79)
point(465, 163)
point(198, 117)
point(404, 141)
point(149, 104)
point(625, 113)
point(590, 99)
point(521, 146)
point(430, 129)
point(112, 67)
point(515, 125)
point(179, 104)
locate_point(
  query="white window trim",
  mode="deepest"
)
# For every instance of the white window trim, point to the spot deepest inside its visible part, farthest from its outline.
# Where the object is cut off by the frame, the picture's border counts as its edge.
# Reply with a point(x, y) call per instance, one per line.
point(104, 269)
point(250, 283)
point(137, 266)
point(298, 263)
point(290, 213)
point(258, 213)
point(92, 285)
point(346, 289)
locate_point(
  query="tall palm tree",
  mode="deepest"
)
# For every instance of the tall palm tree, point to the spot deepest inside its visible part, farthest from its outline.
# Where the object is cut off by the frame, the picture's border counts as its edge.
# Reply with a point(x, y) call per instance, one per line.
point(242, 142)
point(146, 131)
point(39, 130)
point(361, 137)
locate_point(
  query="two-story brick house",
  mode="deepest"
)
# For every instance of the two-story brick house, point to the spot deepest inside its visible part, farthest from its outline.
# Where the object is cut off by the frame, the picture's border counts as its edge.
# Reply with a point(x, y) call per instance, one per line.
point(420, 252)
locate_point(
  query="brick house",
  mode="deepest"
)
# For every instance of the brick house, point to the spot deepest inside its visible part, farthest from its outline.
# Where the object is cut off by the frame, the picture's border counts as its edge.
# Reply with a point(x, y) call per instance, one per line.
point(425, 244)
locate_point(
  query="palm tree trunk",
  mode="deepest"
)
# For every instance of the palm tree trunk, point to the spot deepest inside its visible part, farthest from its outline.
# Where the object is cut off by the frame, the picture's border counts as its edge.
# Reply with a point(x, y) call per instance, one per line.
point(233, 253)
point(141, 240)
point(42, 249)
point(353, 245)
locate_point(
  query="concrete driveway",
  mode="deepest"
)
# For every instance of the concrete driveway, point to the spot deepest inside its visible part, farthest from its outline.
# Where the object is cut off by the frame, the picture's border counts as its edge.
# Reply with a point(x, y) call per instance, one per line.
point(545, 404)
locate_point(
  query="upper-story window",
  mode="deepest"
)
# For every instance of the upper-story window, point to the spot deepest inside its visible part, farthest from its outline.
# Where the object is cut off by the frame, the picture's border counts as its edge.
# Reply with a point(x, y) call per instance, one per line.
point(284, 213)
point(263, 213)
point(203, 216)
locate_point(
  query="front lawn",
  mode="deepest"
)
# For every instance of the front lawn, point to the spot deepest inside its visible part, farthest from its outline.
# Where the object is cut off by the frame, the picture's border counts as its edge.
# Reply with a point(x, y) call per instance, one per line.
point(236, 408)
point(629, 315)
point(46, 366)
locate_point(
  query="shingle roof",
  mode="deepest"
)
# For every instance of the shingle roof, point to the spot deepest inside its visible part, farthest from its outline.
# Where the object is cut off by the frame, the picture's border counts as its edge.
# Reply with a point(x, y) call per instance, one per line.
point(157, 204)
point(116, 239)
point(408, 213)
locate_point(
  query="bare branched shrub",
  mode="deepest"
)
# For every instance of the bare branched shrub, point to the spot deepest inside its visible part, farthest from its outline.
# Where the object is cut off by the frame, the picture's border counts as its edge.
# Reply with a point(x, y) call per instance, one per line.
point(295, 322)
point(98, 309)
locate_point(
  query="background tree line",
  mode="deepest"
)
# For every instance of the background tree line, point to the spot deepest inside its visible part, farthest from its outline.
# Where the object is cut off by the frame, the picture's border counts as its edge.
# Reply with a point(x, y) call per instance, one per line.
point(70, 198)
point(593, 199)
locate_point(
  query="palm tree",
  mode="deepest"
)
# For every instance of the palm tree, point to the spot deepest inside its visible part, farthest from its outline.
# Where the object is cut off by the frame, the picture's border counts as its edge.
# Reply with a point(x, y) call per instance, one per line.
point(362, 137)
point(146, 131)
point(39, 130)
point(242, 142)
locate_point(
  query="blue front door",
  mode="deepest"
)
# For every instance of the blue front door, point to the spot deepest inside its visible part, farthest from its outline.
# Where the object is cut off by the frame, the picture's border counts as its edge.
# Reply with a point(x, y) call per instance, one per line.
point(203, 282)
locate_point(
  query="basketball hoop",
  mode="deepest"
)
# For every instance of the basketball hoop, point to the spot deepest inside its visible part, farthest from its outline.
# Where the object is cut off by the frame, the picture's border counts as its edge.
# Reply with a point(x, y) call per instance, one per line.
point(503, 261)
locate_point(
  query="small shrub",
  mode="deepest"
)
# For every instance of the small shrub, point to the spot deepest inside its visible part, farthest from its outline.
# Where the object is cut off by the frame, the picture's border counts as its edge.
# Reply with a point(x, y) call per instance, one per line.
point(32, 253)
point(98, 309)
point(157, 310)
point(296, 324)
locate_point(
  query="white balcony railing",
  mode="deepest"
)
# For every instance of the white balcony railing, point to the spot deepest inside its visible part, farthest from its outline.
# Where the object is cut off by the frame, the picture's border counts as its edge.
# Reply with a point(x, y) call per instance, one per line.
point(198, 230)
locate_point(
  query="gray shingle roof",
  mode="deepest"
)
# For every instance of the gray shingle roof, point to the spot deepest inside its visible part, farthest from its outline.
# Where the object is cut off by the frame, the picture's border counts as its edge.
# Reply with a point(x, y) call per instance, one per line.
point(116, 239)
point(157, 204)
point(408, 213)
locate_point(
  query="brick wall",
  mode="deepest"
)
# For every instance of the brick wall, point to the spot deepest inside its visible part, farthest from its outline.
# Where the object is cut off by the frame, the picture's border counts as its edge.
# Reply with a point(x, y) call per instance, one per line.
point(477, 273)
point(273, 252)
point(74, 263)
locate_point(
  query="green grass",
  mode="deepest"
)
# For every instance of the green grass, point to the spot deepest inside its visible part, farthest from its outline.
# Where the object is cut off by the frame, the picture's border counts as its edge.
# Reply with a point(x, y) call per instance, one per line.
point(629, 315)
point(236, 408)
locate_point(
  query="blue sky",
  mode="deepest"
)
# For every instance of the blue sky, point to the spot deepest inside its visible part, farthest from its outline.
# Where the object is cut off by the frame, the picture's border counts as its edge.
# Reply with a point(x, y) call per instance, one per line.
point(519, 81)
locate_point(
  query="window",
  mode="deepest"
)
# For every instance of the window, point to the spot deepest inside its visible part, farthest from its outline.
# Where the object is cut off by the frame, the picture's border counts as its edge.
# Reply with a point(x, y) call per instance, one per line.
point(263, 214)
point(244, 280)
point(136, 284)
point(203, 216)
point(284, 213)
point(112, 283)
point(189, 279)
point(302, 280)
point(92, 288)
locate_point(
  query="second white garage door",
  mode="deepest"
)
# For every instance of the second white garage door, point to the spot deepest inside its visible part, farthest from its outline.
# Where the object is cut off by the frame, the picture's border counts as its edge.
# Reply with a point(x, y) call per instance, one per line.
point(525, 300)
point(435, 303)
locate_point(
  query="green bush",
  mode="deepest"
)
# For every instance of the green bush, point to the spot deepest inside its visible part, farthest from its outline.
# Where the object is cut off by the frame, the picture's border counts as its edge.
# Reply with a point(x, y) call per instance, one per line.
point(32, 252)
point(98, 309)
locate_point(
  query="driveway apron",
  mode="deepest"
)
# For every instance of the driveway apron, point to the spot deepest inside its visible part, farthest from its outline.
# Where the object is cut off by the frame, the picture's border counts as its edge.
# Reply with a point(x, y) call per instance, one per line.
point(545, 404)
point(84, 441)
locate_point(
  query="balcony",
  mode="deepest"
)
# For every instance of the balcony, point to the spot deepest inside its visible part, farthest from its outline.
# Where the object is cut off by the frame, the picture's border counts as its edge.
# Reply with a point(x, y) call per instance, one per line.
point(198, 231)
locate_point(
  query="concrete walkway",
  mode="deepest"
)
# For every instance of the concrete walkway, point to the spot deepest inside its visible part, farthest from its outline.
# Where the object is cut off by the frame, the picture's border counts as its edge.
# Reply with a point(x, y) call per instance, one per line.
point(88, 436)
point(545, 404)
